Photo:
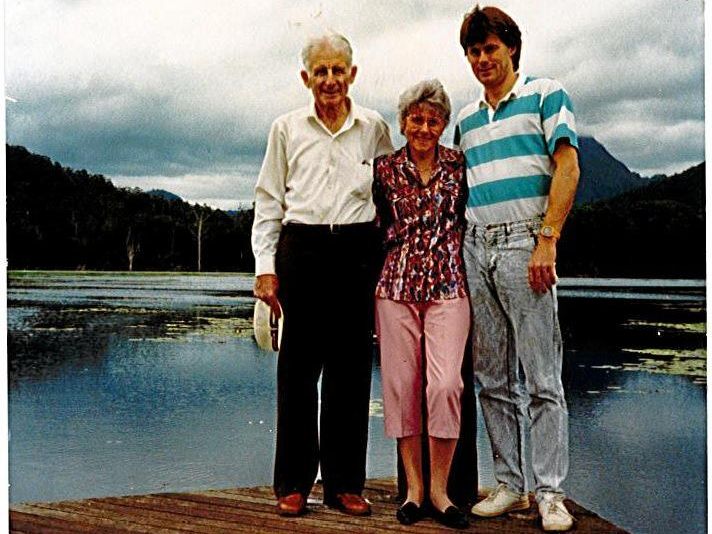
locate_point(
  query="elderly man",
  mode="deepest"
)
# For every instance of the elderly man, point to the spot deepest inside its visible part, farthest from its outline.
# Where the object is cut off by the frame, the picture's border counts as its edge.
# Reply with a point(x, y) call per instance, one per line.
point(520, 148)
point(316, 251)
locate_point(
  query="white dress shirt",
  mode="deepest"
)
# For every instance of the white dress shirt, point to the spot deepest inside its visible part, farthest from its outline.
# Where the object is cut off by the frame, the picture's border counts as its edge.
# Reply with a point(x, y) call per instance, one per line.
point(312, 176)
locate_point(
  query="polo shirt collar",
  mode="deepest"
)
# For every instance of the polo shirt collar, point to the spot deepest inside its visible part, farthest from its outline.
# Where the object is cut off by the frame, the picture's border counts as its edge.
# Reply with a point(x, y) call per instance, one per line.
point(513, 92)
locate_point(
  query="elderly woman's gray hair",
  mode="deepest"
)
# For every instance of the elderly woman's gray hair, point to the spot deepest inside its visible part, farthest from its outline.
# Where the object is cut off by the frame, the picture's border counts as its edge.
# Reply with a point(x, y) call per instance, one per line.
point(333, 40)
point(426, 92)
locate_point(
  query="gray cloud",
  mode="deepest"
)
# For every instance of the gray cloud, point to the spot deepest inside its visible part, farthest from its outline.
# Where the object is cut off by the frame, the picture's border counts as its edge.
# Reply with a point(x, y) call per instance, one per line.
point(183, 93)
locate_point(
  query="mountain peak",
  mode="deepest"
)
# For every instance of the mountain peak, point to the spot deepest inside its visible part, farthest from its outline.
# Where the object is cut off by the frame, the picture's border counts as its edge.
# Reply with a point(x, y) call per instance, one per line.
point(602, 175)
point(162, 193)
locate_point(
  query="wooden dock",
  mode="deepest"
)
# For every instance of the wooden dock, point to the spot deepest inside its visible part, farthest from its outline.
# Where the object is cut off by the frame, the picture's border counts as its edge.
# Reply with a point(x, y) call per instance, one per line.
point(252, 510)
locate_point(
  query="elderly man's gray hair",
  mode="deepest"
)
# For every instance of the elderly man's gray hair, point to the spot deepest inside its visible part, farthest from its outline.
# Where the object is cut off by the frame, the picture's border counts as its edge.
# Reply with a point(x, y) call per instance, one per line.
point(333, 40)
point(426, 92)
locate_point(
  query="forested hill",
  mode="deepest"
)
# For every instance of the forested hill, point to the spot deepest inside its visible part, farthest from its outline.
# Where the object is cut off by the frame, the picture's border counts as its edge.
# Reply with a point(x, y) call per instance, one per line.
point(657, 231)
point(59, 218)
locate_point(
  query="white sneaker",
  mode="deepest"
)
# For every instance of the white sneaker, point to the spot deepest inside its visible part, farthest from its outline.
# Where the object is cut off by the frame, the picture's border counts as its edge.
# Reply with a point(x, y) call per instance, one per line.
point(554, 515)
point(501, 501)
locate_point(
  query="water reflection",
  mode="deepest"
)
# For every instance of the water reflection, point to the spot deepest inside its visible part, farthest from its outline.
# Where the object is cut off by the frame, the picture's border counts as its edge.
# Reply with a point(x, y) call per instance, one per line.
point(140, 384)
point(148, 416)
point(638, 445)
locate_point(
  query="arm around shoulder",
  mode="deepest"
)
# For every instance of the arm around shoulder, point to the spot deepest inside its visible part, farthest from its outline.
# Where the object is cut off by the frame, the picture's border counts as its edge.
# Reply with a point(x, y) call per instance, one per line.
point(384, 144)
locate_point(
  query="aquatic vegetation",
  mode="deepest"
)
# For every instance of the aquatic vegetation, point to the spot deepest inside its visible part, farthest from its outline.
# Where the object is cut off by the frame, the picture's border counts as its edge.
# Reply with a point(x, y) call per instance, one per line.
point(698, 353)
point(151, 339)
point(56, 329)
point(226, 326)
point(375, 408)
point(219, 327)
point(109, 309)
point(691, 363)
point(685, 327)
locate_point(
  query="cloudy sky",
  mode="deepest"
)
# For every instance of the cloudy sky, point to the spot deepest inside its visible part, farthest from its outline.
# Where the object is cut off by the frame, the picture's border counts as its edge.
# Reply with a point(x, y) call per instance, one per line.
point(180, 94)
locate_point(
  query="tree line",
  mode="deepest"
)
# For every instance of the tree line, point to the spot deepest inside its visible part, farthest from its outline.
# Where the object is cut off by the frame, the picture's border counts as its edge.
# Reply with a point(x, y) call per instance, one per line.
point(59, 218)
point(655, 231)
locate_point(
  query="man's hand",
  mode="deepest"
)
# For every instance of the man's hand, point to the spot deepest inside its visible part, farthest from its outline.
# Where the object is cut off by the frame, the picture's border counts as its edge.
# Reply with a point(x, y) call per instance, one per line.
point(542, 265)
point(266, 286)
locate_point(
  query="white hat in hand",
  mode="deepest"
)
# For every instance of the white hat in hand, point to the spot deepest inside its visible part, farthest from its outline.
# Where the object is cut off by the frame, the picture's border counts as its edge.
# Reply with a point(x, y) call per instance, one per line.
point(268, 329)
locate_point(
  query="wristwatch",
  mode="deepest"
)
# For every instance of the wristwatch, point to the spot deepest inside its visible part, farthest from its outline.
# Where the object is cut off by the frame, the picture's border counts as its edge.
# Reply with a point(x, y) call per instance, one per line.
point(549, 231)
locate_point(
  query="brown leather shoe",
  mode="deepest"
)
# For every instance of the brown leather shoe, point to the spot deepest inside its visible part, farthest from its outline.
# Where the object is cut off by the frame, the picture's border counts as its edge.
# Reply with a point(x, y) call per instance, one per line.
point(293, 505)
point(349, 503)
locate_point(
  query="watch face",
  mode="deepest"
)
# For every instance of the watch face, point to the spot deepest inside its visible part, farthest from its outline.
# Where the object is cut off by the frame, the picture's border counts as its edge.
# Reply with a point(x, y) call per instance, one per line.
point(547, 231)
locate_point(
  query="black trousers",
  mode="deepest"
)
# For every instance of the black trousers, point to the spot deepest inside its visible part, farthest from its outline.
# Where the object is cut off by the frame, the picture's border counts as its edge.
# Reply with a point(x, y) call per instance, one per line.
point(327, 280)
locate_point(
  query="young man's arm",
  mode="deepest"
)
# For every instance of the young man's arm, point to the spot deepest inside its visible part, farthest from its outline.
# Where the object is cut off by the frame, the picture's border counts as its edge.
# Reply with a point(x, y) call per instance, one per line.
point(542, 265)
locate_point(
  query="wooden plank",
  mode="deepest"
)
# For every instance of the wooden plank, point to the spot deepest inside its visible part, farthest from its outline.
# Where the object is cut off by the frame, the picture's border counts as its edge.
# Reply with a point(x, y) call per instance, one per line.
point(235, 510)
point(382, 520)
point(41, 519)
point(382, 484)
point(527, 522)
point(239, 511)
point(85, 513)
point(375, 496)
point(157, 520)
point(252, 510)
point(176, 505)
point(314, 521)
point(33, 524)
point(321, 518)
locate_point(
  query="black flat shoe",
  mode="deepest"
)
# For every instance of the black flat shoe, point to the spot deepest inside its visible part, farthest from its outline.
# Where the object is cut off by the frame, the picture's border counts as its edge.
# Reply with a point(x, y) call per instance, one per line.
point(451, 517)
point(409, 513)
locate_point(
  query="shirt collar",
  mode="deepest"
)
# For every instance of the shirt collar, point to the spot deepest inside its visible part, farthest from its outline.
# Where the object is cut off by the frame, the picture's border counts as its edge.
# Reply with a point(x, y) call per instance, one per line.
point(513, 92)
point(355, 114)
point(401, 156)
point(445, 155)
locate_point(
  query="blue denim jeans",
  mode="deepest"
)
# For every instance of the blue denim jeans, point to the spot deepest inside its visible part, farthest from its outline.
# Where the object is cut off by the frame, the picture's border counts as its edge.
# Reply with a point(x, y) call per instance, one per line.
point(515, 327)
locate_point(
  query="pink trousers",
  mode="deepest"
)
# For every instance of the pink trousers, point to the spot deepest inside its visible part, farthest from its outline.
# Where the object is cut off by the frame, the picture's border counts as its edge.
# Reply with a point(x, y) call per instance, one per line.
point(444, 326)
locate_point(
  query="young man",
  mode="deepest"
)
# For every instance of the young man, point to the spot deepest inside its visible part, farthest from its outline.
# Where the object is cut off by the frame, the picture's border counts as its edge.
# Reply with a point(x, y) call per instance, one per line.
point(315, 247)
point(520, 146)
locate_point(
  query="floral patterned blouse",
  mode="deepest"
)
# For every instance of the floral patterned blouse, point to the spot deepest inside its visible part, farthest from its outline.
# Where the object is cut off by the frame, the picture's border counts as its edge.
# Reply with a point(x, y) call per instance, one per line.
point(423, 226)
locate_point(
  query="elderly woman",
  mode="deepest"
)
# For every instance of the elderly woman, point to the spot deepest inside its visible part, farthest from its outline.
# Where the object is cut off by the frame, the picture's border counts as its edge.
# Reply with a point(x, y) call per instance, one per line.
point(420, 196)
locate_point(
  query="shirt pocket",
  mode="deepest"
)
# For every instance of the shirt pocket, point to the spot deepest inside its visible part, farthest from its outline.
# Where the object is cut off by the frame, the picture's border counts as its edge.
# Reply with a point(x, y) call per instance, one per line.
point(362, 180)
point(405, 206)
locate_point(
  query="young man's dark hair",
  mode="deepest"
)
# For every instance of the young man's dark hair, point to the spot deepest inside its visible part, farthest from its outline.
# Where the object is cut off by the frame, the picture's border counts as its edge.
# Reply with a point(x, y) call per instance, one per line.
point(480, 22)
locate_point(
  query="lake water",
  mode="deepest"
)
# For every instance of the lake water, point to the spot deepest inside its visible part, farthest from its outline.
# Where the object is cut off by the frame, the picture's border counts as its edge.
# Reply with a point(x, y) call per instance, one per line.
point(124, 384)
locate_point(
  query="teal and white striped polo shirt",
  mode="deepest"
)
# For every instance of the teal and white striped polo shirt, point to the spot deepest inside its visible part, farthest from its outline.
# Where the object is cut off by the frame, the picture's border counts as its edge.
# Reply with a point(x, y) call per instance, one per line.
point(508, 150)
